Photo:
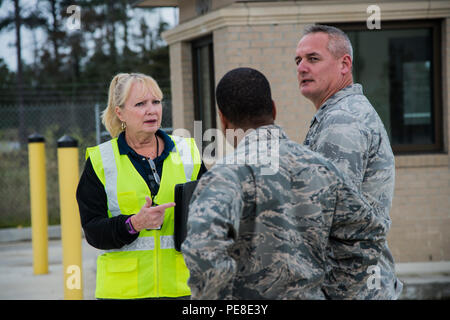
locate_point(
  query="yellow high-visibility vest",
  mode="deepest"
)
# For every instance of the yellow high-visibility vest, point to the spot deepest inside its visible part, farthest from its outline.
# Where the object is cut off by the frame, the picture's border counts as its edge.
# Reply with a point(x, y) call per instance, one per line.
point(150, 266)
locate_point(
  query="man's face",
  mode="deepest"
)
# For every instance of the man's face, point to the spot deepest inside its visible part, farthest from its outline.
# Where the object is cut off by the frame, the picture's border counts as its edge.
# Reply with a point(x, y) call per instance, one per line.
point(318, 71)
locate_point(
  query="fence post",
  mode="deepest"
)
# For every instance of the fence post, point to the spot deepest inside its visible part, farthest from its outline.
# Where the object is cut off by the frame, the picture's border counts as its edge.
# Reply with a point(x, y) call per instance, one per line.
point(70, 218)
point(38, 197)
point(97, 123)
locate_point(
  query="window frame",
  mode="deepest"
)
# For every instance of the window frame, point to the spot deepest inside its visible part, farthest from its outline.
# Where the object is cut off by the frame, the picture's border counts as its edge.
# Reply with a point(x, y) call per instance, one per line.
point(198, 110)
point(436, 80)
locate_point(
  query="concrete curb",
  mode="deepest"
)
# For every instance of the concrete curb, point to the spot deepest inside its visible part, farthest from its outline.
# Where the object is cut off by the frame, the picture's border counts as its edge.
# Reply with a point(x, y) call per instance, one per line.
point(424, 280)
point(24, 234)
point(420, 269)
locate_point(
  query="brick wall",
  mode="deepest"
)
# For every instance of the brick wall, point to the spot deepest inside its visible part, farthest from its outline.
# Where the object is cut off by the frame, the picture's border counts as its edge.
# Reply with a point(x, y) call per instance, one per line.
point(182, 86)
point(421, 214)
point(271, 50)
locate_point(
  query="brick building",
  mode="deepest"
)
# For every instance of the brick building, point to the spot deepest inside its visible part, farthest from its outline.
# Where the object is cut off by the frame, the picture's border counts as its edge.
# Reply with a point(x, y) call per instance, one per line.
point(404, 68)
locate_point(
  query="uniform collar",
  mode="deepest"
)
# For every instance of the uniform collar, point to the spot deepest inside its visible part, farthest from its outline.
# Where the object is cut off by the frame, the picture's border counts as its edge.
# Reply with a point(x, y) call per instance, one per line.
point(353, 89)
point(267, 132)
point(124, 148)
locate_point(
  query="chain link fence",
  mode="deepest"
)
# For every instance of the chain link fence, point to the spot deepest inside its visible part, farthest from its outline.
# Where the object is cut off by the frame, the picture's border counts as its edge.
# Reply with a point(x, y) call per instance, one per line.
point(80, 121)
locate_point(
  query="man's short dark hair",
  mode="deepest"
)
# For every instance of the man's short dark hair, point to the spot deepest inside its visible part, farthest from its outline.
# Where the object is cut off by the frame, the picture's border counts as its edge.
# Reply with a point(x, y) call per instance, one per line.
point(244, 97)
point(338, 44)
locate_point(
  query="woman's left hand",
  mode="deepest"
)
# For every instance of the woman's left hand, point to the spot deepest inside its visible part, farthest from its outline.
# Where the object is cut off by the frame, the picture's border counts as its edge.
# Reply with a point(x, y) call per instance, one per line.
point(150, 217)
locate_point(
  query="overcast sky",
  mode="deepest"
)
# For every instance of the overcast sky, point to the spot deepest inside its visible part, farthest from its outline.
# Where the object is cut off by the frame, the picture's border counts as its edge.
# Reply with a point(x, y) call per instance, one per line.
point(8, 38)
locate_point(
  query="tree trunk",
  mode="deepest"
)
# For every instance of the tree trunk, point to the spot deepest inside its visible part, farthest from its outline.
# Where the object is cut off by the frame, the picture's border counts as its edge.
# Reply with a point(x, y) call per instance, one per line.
point(54, 34)
point(111, 32)
point(19, 89)
point(125, 26)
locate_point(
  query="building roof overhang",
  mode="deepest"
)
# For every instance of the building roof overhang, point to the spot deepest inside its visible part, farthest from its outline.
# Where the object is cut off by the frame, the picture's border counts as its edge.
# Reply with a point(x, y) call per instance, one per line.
point(155, 3)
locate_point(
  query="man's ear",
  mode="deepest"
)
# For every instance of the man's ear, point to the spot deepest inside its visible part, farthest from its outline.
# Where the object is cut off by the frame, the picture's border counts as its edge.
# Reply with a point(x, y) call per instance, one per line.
point(274, 110)
point(346, 64)
point(225, 124)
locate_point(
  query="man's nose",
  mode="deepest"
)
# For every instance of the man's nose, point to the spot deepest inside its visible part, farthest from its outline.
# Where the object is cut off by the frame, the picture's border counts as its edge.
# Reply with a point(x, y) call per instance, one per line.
point(302, 67)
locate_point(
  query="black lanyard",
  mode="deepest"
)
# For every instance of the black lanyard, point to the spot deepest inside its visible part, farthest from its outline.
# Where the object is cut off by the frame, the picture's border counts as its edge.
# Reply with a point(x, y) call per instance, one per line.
point(156, 177)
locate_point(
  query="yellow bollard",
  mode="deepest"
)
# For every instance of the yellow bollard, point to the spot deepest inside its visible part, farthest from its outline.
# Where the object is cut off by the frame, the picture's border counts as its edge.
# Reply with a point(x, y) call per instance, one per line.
point(38, 195)
point(70, 218)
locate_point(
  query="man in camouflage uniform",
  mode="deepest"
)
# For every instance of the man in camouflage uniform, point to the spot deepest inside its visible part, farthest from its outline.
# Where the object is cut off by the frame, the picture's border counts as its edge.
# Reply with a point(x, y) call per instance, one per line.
point(348, 131)
point(274, 220)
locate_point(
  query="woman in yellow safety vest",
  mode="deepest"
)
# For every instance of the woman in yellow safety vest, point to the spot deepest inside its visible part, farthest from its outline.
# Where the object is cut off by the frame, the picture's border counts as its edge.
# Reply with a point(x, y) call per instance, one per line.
point(126, 193)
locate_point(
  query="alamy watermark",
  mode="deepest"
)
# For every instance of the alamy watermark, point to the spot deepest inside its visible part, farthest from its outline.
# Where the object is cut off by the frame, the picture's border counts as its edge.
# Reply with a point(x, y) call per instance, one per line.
point(259, 147)
point(374, 19)
point(73, 280)
point(374, 280)
point(74, 20)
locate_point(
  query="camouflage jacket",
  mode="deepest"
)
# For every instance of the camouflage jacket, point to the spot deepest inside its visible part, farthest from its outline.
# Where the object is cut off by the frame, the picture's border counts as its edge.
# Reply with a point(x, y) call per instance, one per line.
point(275, 220)
point(348, 131)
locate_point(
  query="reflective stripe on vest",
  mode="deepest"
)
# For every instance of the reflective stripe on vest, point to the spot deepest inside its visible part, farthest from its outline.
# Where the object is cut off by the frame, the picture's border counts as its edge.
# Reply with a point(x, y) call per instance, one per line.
point(140, 244)
point(147, 243)
point(185, 154)
point(110, 168)
point(166, 242)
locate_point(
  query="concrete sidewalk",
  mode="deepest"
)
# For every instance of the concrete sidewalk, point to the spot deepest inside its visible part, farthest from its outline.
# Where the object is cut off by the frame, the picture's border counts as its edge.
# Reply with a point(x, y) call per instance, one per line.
point(17, 280)
point(422, 280)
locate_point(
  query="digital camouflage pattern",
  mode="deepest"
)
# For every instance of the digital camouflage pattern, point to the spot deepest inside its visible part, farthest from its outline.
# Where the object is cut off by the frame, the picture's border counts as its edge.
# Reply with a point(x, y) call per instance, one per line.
point(280, 236)
point(348, 131)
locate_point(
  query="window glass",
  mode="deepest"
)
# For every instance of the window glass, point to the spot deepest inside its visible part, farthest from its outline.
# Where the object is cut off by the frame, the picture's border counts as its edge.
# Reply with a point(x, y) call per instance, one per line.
point(396, 67)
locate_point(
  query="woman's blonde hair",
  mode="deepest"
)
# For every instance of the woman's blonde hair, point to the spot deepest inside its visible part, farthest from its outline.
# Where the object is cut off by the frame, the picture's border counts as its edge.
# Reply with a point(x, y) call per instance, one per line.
point(119, 90)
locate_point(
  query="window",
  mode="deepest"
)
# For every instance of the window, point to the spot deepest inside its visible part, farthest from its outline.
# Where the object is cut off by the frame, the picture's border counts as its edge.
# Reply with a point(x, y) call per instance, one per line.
point(203, 72)
point(399, 67)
